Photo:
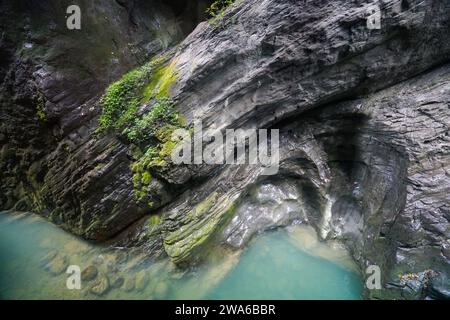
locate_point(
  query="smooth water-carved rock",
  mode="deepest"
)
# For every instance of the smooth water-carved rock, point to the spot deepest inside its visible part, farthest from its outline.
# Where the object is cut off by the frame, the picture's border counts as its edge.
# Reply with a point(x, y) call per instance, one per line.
point(117, 281)
point(268, 207)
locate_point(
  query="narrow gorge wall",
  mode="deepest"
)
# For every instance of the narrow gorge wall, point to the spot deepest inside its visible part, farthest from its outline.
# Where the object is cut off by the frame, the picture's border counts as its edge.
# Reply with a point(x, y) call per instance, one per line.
point(363, 117)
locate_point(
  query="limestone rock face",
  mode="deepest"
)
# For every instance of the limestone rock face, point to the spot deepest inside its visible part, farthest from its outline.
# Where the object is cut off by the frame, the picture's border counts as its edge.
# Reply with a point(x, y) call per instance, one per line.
point(51, 80)
point(363, 116)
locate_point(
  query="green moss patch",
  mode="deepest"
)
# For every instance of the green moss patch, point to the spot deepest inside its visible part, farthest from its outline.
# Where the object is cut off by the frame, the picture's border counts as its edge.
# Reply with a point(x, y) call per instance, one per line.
point(146, 129)
point(206, 221)
point(217, 10)
point(40, 108)
point(122, 99)
point(161, 81)
point(218, 7)
point(150, 134)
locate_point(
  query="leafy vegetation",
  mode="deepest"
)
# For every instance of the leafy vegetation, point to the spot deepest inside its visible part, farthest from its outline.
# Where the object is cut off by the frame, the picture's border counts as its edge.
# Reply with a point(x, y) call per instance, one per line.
point(155, 157)
point(218, 7)
point(123, 98)
point(40, 108)
point(151, 133)
point(154, 131)
point(146, 128)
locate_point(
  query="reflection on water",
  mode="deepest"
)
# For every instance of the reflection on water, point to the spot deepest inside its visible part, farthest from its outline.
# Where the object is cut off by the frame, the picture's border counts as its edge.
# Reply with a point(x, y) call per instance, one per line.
point(292, 264)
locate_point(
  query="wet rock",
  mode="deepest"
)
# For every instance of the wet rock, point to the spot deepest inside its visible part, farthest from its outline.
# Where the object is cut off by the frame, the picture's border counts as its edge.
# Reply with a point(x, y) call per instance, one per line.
point(178, 274)
point(45, 243)
point(363, 119)
point(112, 267)
point(58, 264)
point(438, 287)
point(100, 287)
point(121, 257)
point(161, 289)
point(76, 247)
point(117, 281)
point(269, 206)
point(89, 274)
point(66, 95)
point(48, 258)
point(142, 280)
point(446, 250)
point(129, 284)
point(98, 260)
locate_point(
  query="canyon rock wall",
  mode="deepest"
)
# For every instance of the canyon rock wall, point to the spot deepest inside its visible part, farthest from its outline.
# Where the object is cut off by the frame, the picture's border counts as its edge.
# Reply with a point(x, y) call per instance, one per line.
point(363, 117)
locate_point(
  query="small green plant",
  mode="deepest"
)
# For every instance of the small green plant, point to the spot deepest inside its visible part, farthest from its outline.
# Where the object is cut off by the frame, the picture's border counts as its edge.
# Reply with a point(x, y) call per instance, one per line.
point(146, 128)
point(121, 100)
point(154, 220)
point(218, 7)
point(40, 108)
point(99, 166)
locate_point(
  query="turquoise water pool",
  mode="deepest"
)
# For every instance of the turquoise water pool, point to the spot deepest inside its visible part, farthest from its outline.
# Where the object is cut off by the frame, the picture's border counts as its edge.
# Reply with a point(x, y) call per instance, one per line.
point(283, 264)
point(274, 268)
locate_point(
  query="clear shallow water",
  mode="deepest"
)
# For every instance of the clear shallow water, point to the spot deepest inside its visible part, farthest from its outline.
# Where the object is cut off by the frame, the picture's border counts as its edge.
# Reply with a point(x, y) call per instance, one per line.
point(274, 268)
point(292, 264)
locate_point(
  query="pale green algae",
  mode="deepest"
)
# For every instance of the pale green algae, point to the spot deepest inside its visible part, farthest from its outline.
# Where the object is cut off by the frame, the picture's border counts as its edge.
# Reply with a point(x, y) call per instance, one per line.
point(204, 221)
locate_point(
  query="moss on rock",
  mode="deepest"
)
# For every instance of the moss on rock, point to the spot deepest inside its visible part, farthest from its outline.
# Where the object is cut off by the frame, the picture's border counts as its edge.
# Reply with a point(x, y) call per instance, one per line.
point(150, 133)
point(206, 220)
point(122, 98)
point(161, 81)
point(40, 107)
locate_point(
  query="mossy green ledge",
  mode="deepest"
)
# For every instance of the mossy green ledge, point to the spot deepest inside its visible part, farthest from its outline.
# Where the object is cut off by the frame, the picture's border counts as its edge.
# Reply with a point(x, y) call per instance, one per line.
point(189, 243)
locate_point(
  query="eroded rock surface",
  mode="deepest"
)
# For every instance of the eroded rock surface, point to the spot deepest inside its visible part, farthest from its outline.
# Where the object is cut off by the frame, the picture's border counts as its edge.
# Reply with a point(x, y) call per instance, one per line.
point(363, 117)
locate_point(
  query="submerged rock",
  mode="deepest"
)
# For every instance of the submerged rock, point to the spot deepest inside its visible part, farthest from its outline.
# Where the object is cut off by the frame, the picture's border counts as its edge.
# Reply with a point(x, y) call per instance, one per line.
point(117, 281)
point(129, 283)
point(90, 273)
point(48, 258)
point(58, 264)
point(438, 287)
point(101, 286)
point(142, 280)
point(98, 260)
point(161, 289)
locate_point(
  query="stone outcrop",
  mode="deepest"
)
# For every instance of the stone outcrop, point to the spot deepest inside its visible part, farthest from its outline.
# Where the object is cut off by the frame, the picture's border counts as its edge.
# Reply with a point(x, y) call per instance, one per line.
point(363, 117)
point(52, 77)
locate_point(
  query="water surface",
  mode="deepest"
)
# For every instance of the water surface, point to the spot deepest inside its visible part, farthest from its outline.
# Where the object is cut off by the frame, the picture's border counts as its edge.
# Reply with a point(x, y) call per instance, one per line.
point(283, 264)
